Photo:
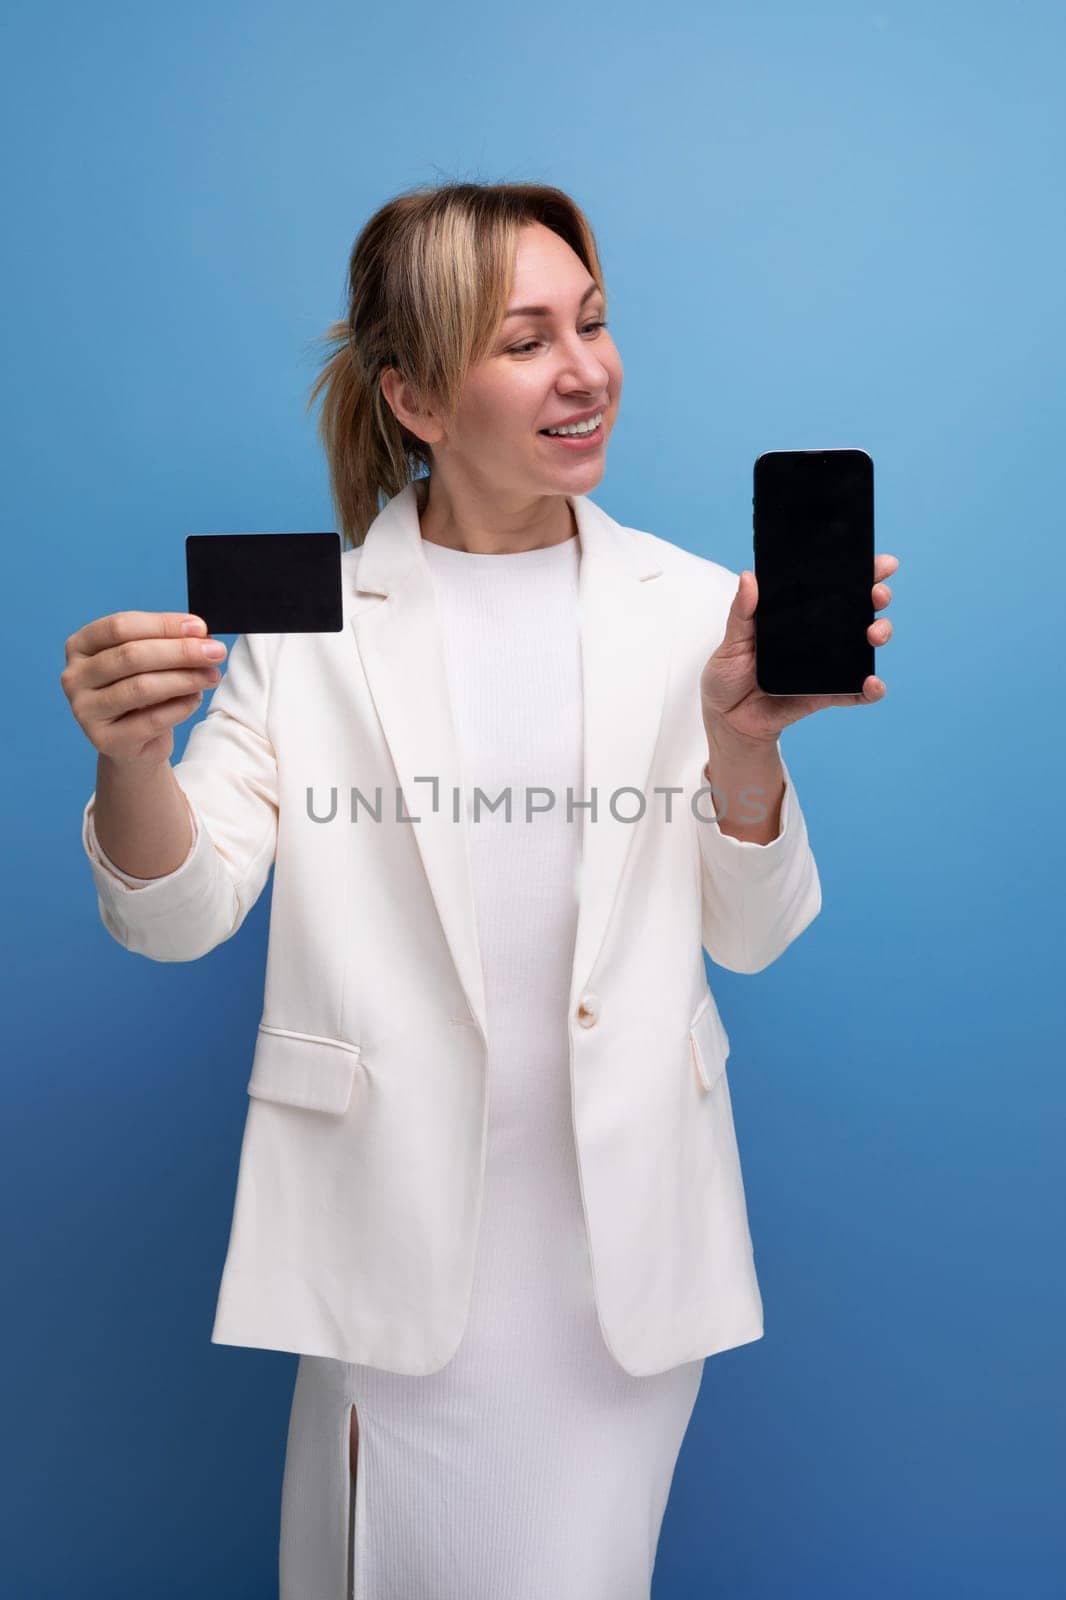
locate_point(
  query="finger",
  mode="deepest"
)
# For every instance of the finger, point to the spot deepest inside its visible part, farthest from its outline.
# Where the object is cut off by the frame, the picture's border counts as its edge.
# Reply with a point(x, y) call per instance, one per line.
point(884, 566)
point(145, 690)
point(149, 721)
point(879, 632)
point(873, 689)
point(104, 633)
point(882, 594)
point(139, 656)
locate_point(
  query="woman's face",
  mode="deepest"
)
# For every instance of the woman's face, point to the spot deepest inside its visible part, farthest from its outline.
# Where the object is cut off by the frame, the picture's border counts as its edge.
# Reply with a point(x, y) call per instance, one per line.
point(542, 368)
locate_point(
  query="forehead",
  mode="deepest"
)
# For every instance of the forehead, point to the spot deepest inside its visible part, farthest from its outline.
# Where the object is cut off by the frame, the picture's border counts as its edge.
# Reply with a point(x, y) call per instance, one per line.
point(546, 269)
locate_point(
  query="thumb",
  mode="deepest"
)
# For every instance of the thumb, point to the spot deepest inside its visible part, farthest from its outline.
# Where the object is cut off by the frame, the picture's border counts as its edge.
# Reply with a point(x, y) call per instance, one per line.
point(740, 623)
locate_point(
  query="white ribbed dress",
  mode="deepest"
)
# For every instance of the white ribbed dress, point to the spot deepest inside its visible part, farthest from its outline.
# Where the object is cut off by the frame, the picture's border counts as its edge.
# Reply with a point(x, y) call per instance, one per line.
point(531, 1466)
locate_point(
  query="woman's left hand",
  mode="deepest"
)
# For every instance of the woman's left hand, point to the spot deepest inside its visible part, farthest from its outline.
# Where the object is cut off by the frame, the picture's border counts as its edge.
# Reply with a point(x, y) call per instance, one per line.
point(731, 699)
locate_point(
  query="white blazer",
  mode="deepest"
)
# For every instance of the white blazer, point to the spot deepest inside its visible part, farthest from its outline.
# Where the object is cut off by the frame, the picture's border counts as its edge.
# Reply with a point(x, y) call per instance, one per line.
point(359, 1189)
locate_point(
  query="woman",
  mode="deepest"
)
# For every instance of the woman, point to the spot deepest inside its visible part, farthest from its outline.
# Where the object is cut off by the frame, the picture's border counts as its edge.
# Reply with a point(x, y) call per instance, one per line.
point(530, 1461)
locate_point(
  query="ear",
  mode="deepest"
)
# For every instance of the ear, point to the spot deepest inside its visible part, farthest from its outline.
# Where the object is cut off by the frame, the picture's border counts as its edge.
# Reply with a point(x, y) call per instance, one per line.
point(402, 401)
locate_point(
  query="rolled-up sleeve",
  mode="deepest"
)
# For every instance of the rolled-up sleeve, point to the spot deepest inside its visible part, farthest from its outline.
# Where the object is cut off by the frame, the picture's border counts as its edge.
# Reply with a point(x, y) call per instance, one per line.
point(97, 854)
point(228, 774)
point(756, 898)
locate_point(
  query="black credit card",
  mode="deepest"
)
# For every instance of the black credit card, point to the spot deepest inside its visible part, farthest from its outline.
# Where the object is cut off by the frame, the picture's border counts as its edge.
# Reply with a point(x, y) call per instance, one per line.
point(265, 582)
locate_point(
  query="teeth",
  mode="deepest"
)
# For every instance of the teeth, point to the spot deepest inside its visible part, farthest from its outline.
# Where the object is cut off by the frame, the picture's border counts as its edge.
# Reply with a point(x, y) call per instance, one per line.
point(579, 427)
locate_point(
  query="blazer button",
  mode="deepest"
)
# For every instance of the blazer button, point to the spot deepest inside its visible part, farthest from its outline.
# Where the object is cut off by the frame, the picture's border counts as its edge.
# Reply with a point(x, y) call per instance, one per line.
point(588, 1010)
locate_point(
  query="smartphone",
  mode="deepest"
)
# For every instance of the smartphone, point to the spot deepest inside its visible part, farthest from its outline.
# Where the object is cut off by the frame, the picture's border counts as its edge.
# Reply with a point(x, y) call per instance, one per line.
point(813, 528)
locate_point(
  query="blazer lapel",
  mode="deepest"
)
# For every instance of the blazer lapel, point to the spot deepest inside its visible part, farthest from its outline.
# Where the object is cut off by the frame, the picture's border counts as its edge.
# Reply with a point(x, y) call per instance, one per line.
point(626, 641)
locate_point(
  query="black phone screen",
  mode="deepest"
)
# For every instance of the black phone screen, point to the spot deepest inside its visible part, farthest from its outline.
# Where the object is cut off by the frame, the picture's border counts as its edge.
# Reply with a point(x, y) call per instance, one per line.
point(813, 525)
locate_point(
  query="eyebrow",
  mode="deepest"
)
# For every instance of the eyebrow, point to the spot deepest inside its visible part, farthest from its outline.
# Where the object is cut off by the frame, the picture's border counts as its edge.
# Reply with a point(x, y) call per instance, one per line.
point(545, 311)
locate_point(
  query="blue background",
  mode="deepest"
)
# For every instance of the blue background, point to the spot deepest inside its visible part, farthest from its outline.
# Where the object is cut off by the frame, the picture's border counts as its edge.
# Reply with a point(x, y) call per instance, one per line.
point(820, 226)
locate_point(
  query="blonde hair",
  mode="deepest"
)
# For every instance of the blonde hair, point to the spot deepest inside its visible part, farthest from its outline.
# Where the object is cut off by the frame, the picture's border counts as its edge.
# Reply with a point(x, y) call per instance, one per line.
point(428, 281)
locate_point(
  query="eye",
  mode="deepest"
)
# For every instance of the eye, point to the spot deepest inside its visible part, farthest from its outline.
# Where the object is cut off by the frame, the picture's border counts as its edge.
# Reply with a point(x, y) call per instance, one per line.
point(520, 349)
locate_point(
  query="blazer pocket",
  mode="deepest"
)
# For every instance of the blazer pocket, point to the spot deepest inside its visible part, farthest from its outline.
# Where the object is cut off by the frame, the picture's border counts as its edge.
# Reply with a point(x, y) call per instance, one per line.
point(303, 1069)
point(708, 1041)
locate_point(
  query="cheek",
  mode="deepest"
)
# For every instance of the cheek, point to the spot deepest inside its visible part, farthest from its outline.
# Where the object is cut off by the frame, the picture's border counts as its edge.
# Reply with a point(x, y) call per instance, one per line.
point(520, 409)
point(509, 408)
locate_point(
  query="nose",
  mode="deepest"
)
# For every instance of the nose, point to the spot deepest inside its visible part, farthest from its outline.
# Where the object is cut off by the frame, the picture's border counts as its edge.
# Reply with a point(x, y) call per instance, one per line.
point(589, 371)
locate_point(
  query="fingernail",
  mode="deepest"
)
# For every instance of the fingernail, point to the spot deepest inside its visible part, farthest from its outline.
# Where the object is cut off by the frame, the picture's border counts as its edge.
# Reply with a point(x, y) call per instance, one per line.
point(193, 625)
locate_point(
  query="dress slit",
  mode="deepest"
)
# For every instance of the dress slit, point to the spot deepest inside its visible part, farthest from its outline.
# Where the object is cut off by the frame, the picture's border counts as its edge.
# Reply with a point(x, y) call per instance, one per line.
point(321, 1540)
point(356, 1581)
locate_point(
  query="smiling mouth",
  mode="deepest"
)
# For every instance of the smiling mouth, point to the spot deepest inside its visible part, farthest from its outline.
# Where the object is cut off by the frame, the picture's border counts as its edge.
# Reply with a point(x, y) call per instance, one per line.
point(576, 440)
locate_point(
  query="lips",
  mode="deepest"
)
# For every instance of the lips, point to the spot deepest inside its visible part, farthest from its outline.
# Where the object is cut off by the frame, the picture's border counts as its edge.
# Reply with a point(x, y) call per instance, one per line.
point(579, 416)
point(576, 441)
point(573, 420)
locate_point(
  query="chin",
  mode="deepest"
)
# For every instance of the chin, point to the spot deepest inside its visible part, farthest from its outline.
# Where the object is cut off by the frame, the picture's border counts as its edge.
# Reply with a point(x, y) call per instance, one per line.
point(584, 475)
point(575, 466)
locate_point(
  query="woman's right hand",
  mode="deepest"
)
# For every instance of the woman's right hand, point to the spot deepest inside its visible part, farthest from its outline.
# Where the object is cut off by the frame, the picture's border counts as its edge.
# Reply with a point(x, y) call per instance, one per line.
point(132, 676)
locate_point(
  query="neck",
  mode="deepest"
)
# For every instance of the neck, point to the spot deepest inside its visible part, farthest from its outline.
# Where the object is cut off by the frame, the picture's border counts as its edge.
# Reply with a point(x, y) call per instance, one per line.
point(549, 521)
